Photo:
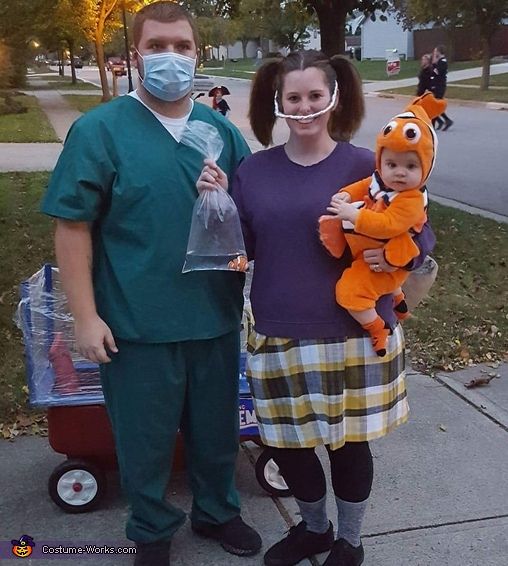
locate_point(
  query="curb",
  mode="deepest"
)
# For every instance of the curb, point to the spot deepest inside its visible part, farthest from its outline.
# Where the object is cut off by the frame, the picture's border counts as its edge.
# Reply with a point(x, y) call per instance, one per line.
point(470, 209)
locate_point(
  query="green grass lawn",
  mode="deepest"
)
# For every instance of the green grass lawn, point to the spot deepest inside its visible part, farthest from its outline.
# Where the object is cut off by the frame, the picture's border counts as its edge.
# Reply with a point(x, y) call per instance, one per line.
point(464, 320)
point(26, 245)
point(55, 81)
point(241, 69)
point(495, 80)
point(83, 102)
point(32, 126)
point(460, 93)
point(369, 70)
point(466, 316)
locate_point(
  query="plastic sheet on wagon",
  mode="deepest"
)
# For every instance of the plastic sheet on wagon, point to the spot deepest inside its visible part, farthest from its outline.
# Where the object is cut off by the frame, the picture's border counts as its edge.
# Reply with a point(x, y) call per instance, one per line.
point(56, 373)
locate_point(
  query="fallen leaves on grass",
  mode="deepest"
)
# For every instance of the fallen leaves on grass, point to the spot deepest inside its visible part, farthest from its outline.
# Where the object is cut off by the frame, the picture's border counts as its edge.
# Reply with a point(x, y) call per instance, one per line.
point(25, 424)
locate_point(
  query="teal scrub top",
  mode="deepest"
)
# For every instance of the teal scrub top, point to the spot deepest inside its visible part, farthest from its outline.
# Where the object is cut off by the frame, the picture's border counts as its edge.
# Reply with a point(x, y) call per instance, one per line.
point(123, 172)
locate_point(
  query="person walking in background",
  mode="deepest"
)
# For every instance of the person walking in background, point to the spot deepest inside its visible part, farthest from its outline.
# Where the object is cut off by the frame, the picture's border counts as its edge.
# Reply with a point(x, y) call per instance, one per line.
point(167, 343)
point(314, 376)
point(438, 84)
point(259, 56)
point(425, 74)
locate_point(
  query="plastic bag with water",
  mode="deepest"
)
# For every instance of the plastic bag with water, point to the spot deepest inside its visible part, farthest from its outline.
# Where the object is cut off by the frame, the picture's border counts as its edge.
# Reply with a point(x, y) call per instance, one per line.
point(215, 239)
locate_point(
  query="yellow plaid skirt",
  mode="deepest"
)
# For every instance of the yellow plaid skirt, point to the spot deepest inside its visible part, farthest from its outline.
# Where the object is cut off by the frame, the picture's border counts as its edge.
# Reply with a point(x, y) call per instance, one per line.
point(325, 391)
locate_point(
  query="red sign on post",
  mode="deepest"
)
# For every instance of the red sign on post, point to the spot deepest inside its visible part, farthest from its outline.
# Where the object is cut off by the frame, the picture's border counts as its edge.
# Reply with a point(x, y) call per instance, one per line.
point(392, 62)
point(392, 68)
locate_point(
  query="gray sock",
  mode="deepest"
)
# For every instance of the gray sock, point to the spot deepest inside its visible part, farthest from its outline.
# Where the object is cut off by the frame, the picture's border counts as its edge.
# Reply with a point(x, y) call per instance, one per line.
point(314, 514)
point(350, 517)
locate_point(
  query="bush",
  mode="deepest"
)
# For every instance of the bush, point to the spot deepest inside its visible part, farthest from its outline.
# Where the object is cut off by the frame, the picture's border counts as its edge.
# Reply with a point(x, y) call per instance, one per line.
point(10, 106)
point(6, 69)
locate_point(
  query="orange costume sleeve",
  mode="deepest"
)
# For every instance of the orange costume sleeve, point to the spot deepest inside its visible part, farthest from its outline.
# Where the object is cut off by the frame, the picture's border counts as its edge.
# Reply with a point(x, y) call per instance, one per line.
point(357, 191)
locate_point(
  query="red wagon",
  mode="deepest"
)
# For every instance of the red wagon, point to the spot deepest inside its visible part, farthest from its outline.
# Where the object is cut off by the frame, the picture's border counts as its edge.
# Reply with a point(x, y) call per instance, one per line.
point(78, 424)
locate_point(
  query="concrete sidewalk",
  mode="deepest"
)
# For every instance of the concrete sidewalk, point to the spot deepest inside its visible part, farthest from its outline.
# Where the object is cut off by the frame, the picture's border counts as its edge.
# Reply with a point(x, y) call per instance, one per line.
point(440, 495)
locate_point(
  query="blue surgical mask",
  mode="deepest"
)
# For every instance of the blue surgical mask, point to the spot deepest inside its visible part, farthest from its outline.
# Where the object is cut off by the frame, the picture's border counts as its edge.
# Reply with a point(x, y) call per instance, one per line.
point(168, 76)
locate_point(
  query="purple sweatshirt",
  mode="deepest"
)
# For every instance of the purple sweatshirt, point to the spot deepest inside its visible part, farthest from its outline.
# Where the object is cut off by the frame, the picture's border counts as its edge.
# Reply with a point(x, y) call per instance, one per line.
point(280, 202)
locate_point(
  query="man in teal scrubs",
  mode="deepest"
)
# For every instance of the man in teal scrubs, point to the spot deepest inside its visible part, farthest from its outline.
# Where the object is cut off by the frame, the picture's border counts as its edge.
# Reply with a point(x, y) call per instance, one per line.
point(168, 343)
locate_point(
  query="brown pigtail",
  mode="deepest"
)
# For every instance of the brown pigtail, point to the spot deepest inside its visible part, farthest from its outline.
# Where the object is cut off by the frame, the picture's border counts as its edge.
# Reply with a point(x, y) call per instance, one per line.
point(348, 115)
point(261, 108)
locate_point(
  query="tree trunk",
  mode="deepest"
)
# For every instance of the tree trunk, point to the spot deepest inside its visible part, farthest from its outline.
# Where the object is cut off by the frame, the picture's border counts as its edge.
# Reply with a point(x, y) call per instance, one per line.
point(61, 62)
point(71, 55)
point(450, 44)
point(332, 24)
point(485, 64)
point(244, 48)
point(99, 51)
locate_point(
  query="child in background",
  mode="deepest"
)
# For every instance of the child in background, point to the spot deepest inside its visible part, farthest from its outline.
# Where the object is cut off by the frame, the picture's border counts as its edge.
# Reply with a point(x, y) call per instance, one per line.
point(384, 211)
point(219, 104)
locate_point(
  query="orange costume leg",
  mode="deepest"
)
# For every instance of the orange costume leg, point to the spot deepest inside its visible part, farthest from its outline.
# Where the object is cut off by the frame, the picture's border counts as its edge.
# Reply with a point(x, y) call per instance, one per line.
point(359, 288)
point(379, 332)
point(400, 307)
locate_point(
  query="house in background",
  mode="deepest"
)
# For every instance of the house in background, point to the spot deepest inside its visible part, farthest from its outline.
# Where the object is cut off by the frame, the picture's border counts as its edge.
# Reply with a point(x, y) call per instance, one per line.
point(379, 36)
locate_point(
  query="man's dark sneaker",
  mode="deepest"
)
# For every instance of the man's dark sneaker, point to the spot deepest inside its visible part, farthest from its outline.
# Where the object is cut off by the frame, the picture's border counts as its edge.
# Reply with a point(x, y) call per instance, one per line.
point(344, 554)
point(153, 553)
point(448, 124)
point(299, 544)
point(235, 536)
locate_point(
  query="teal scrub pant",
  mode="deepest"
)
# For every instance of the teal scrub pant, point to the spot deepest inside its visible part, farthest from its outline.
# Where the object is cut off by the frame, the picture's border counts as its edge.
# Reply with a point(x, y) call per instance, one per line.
point(151, 391)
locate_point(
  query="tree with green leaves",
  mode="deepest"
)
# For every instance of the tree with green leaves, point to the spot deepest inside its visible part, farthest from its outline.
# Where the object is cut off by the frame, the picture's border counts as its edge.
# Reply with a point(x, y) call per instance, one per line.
point(16, 29)
point(332, 16)
point(249, 22)
point(6, 69)
point(214, 31)
point(485, 16)
point(62, 22)
point(287, 23)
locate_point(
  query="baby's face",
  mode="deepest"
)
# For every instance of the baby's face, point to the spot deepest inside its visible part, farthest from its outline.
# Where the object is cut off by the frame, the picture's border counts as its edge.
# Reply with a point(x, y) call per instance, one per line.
point(401, 171)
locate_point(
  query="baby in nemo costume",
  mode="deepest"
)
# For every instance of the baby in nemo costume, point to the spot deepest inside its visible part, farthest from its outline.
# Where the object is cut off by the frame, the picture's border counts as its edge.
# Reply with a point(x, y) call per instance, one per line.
point(384, 211)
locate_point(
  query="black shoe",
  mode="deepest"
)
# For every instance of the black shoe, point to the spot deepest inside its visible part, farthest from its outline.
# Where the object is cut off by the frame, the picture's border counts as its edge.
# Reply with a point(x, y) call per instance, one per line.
point(448, 124)
point(344, 554)
point(152, 554)
point(235, 536)
point(438, 124)
point(299, 544)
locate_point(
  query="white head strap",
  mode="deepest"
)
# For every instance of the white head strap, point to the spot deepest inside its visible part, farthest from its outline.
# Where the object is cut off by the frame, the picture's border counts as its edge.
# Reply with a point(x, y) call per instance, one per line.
point(280, 114)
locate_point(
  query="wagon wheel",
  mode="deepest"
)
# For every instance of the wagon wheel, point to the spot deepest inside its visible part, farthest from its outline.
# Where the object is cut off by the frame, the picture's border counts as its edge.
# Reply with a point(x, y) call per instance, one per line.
point(269, 476)
point(77, 486)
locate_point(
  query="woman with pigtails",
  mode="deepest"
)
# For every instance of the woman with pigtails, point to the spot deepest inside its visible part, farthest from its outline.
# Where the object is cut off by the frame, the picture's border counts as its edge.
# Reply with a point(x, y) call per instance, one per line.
point(314, 376)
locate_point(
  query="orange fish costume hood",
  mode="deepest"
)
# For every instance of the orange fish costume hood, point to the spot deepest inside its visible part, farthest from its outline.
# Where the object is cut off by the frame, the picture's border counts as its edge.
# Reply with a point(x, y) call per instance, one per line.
point(412, 131)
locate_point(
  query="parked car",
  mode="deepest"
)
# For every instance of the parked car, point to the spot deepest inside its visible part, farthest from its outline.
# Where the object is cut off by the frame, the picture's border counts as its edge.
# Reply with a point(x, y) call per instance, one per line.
point(78, 64)
point(116, 64)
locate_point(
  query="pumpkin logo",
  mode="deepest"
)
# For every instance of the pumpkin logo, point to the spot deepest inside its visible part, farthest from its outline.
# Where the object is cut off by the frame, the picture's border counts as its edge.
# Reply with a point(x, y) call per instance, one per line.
point(23, 547)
